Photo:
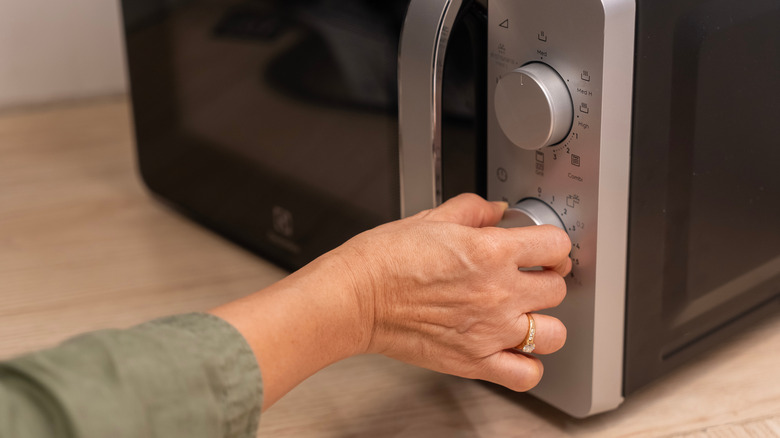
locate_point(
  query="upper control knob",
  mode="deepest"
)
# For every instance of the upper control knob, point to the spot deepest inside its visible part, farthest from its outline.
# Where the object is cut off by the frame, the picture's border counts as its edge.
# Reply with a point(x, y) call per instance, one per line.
point(533, 106)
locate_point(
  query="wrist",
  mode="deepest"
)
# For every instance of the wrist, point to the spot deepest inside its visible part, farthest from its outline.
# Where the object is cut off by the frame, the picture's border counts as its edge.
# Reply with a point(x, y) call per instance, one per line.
point(349, 299)
point(300, 325)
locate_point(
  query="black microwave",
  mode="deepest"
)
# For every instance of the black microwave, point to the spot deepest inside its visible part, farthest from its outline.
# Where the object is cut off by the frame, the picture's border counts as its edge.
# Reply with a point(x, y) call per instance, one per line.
point(645, 128)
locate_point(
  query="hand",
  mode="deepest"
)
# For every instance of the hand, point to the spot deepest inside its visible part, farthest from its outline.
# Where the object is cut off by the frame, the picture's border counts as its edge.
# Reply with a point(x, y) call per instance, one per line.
point(442, 290)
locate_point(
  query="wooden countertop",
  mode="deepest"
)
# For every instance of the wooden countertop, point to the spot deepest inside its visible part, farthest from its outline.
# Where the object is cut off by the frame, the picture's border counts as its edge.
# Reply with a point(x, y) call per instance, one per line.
point(83, 246)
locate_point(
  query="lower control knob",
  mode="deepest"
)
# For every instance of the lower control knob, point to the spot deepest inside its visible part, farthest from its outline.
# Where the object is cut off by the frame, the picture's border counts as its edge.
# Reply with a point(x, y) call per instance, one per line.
point(530, 212)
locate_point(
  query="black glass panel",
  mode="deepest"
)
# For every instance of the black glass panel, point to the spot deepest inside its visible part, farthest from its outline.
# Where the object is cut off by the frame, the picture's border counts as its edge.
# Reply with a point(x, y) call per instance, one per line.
point(704, 253)
point(734, 195)
point(275, 122)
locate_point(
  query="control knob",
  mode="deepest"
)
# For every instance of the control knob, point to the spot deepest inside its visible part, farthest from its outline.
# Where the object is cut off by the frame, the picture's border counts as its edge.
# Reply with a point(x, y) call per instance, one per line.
point(529, 212)
point(533, 106)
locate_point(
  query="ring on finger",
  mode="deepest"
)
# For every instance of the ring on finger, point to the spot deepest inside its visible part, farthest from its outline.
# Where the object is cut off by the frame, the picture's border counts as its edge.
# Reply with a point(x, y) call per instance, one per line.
point(528, 346)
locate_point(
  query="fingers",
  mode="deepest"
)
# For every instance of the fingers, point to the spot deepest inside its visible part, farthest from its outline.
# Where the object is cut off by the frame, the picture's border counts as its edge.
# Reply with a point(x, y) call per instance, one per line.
point(549, 336)
point(468, 209)
point(537, 290)
point(546, 246)
point(513, 370)
point(563, 268)
point(521, 372)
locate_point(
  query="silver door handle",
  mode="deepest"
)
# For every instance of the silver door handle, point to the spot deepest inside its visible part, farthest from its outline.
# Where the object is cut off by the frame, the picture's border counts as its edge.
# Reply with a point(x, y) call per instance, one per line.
point(422, 50)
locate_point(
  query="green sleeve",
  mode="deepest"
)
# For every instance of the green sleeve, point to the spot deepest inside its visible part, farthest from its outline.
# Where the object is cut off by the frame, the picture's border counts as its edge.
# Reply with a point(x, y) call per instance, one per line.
point(185, 376)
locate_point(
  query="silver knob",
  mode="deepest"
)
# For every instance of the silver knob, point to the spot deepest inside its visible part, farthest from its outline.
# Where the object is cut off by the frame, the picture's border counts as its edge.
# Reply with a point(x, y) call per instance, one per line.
point(530, 212)
point(533, 106)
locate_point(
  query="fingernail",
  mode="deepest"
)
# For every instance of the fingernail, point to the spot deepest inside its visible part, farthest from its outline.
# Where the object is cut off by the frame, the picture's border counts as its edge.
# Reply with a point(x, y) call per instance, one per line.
point(504, 205)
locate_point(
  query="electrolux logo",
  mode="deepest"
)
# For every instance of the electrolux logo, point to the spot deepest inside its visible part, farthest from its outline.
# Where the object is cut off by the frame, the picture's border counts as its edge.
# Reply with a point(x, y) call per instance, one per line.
point(283, 221)
point(283, 229)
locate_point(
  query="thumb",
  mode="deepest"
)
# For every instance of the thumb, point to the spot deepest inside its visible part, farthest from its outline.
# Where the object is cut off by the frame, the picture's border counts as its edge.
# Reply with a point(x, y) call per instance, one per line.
point(470, 210)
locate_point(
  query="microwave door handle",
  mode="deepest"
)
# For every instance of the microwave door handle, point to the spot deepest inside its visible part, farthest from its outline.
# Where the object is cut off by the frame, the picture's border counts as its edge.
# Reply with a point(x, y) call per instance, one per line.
point(422, 49)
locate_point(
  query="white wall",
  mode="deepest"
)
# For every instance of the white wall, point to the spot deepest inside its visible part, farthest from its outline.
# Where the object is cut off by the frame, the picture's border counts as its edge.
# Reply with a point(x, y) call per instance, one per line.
point(53, 50)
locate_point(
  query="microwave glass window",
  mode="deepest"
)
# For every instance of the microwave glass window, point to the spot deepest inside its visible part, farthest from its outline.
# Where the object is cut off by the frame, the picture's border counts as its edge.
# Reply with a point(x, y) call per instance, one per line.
point(275, 122)
point(303, 89)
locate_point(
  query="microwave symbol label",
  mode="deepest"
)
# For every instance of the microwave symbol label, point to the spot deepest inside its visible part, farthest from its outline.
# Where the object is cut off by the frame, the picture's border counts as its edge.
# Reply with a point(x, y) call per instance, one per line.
point(541, 36)
point(540, 163)
point(584, 92)
point(573, 201)
point(283, 221)
point(502, 174)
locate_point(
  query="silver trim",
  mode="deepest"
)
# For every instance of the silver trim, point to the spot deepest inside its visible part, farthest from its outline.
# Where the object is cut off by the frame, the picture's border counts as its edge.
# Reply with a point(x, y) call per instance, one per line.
point(585, 178)
point(612, 246)
point(586, 376)
point(422, 50)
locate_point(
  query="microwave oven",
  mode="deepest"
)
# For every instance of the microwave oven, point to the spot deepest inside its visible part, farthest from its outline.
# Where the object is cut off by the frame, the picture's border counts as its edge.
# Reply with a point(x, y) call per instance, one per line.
point(645, 128)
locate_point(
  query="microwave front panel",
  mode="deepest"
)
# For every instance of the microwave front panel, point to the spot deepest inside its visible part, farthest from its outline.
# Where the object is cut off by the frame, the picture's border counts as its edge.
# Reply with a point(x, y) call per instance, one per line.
point(559, 90)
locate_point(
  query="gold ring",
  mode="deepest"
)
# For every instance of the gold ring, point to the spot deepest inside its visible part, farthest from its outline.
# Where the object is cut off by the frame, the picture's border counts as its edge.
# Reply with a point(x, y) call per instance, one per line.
point(528, 344)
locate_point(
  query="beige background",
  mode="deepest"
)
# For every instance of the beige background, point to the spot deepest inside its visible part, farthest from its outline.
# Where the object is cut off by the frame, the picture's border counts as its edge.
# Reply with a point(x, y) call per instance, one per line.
point(53, 50)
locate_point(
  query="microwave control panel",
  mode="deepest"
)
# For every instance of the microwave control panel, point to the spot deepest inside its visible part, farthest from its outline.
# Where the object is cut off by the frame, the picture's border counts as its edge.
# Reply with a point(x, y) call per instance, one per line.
point(559, 104)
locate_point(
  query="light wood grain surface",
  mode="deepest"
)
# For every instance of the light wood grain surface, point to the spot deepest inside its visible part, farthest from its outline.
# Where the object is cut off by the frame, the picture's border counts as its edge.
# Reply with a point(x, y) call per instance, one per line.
point(84, 246)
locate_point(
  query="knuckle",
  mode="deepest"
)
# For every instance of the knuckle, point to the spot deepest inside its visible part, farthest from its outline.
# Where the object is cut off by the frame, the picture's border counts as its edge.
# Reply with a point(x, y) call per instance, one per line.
point(495, 243)
point(478, 369)
point(425, 215)
point(469, 197)
point(561, 241)
point(477, 245)
point(485, 247)
point(558, 289)
point(466, 326)
point(553, 239)
point(497, 295)
point(552, 287)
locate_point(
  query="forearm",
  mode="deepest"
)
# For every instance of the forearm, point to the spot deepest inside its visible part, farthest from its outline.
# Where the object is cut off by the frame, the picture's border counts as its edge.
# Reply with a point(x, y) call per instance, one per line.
point(184, 376)
point(301, 324)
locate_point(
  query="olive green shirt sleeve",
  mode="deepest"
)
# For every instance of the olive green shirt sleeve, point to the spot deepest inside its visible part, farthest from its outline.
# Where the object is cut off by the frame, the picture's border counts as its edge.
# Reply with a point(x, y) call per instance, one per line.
point(185, 376)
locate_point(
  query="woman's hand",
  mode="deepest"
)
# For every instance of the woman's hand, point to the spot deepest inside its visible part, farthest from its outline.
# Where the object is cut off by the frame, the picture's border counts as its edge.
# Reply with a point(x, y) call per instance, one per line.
point(442, 290)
